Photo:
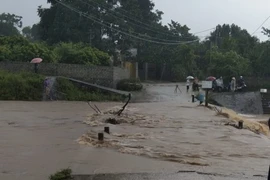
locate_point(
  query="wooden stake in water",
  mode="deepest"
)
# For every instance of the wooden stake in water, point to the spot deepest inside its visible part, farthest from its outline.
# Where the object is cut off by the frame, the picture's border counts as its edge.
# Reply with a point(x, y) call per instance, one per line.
point(269, 173)
point(206, 97)
point(107, 130)
point(269, 123)
point(100, 136)
point(240, 124)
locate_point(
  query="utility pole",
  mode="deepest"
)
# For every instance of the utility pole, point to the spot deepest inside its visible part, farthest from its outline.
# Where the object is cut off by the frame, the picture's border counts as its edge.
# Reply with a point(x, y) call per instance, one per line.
point(217, 33)
point(211, 50)
point(91, 37)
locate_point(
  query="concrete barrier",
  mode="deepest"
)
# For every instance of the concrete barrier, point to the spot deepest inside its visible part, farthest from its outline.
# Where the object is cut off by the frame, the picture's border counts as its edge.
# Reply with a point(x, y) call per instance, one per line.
point(244, 102)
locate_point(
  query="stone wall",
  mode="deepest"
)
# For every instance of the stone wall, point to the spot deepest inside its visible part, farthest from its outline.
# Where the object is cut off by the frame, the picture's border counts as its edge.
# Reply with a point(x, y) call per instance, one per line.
point(101, 75)
point(245, 103)
point(119, 74)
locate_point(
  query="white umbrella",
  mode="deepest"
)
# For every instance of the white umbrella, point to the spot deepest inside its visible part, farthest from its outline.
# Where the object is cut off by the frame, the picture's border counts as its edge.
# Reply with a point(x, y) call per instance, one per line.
point(190, 77)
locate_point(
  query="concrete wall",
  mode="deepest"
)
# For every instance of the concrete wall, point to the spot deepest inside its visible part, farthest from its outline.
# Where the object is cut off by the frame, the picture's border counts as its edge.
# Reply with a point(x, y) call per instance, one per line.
point(119, 74)
point(132, 67)
point(245, 103)
point(101, 75)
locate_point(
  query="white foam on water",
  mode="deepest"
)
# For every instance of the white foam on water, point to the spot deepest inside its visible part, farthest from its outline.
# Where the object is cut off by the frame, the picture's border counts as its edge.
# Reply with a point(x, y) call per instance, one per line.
point(247, 115)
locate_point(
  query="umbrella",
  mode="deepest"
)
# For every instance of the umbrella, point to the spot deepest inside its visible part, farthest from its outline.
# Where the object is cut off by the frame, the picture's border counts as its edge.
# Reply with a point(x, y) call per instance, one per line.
point(211, 78)
point(190, 77)
point(36, 60)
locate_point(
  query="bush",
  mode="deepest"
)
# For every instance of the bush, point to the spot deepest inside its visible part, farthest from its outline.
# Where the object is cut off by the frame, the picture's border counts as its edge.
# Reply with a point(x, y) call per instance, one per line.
point(79, 53)
point(71, 92)
point(64, 174)
point(129, 85)
point(21, 86)
point(20, 49)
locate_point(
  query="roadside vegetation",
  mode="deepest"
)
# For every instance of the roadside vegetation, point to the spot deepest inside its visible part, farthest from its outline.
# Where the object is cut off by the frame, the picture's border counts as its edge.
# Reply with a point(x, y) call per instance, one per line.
point(130, 85)
point(64, 174)
point(21, 86)
point(25, 86)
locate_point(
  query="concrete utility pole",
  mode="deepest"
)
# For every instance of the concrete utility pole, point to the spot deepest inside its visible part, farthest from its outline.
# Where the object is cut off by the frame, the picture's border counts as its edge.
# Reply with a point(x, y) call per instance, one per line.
point(91, 37)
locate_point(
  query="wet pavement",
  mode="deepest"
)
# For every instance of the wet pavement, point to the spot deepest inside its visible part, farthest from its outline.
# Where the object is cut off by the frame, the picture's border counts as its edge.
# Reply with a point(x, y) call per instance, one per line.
point(166, 176)
point(39, 138)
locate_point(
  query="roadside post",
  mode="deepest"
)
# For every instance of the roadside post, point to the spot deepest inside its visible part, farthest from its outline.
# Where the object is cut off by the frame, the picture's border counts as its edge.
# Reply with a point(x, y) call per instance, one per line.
point(269, 173)
point(207, 86)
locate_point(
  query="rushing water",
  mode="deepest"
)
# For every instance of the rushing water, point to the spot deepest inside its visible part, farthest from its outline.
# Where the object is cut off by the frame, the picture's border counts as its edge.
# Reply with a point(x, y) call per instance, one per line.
point(173, 129)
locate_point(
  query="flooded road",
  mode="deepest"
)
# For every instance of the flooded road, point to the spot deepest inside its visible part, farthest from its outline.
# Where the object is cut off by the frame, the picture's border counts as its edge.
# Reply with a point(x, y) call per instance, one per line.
point(167, 134)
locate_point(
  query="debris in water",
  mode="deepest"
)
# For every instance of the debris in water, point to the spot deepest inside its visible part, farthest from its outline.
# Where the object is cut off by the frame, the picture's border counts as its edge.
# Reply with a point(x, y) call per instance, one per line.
point(253, 126)
point(123, 108)
point(95, 108)
point(112, 121)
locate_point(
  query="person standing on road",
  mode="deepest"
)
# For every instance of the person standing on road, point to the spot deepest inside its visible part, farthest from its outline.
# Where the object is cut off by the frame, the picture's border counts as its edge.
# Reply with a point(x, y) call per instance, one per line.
point(195, 86)
point(188, 84)
point(47, 88)
point(233, 84)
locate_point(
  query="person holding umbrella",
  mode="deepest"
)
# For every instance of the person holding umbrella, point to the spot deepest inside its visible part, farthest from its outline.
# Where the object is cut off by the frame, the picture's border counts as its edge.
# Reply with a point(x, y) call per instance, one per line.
point(188, 82)
point(36, 61)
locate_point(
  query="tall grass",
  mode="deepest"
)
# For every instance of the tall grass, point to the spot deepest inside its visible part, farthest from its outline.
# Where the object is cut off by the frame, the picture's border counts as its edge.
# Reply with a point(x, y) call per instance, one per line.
point(21, 86)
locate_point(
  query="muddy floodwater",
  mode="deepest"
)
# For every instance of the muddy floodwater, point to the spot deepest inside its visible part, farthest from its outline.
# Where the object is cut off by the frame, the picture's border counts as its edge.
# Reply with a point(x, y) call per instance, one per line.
point(161, 132)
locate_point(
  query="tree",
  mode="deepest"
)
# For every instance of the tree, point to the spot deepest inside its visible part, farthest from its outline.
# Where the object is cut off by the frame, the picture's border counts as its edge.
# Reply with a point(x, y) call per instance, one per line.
point(9, 24)
point(266, 31)
point(27, 32)
point(233, 38)
point(227, 64)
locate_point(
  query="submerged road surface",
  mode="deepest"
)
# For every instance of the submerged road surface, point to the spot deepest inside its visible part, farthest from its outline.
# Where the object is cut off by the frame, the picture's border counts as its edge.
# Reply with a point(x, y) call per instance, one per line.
point(39, 138)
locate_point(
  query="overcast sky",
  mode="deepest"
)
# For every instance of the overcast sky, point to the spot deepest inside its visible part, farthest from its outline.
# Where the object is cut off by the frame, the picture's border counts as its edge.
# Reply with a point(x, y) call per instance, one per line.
point(199, 15)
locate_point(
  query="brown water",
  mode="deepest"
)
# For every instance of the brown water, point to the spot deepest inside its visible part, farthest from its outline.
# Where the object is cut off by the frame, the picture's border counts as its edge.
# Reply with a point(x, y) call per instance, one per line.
point(167, 135)
point(179, 131)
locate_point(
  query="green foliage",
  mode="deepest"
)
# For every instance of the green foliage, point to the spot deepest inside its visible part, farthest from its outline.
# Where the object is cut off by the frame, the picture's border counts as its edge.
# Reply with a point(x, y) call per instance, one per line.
point(27, 32)
point(9, 24)
point(64, 174)
point(266, 31)
point(229, 63)
point(80, 54)
point(229, 49)
point(74, 93)
point(129, 85)
point(18, 48)
point(21, 86)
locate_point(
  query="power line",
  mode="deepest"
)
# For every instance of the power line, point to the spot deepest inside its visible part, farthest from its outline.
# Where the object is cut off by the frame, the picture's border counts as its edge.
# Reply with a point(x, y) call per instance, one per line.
point(204, 31)
point(136, 20)
point(147, 26)
point(125, 33)
point(261, 25)
point(138, 34)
